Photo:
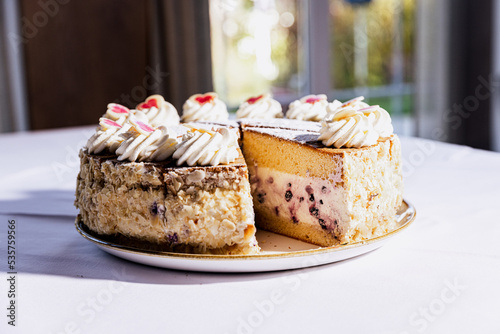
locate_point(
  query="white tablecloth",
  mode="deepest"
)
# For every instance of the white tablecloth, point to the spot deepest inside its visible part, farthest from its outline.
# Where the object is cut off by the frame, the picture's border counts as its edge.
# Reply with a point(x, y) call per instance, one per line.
point(441, 275)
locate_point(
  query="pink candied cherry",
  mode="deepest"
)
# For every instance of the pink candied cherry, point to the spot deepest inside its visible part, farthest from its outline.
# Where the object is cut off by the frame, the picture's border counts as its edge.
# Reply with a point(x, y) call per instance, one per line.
point(144, 126)
point(105, 122)
point(118, 108)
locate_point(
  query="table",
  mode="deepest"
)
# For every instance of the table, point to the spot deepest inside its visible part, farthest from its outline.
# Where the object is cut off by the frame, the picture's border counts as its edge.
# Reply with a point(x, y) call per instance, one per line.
point(441, 275)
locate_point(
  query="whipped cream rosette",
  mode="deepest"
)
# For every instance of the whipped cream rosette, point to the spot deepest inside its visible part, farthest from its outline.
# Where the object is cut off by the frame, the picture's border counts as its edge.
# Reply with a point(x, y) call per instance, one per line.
point(336, 106)
point(107, 136)
point(204, 107)
point(261, 107)
point(355, 103)
point(308, 108)
point(146, 143)
point(116, 112)
point(112, 127)
point(348, 128)
point(122, 115)
point(159, 112)
point(380, 119)
point(333, 107)
point(204, 147)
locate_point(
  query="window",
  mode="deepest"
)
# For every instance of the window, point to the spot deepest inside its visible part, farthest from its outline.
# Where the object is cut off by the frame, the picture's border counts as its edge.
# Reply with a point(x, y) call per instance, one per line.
point(295, 47)
point(372, 54)
point(255, 49)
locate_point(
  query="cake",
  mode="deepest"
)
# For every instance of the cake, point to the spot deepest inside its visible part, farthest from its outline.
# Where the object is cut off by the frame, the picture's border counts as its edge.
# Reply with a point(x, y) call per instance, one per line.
point(161, 206)
point(321, 195)
point(190, 188)
point(337, 184)
point(179, 189)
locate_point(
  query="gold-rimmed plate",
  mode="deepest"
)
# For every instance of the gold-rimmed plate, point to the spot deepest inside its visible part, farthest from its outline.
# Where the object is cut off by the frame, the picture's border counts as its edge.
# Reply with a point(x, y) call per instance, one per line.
point(278, 252)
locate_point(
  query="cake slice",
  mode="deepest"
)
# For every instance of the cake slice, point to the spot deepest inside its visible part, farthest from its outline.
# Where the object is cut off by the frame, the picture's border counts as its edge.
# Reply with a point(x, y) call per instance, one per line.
point(322, 195)
point(161, 205)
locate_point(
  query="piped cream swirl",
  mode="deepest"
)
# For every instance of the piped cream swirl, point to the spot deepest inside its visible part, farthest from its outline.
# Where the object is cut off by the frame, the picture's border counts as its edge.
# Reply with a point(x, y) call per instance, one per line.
point(261, 107)
point(204, 147)
point(117, 113)
point(107, 136)
point(145, 143)
point(336, 106)
point(110, 134)
point(159, 112)
point(348, 128)
point(204, 107)
point(308, 108)
point(338, 120)
point(380, 119)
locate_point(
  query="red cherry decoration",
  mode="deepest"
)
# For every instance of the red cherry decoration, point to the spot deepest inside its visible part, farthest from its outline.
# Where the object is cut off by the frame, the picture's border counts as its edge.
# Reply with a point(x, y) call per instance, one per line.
point(144, 126)
point(351, 101)
point(252, 100)
point(118, 108)
point(110, 123)
point(314, 99)
point(202, 99)
point(148, 104)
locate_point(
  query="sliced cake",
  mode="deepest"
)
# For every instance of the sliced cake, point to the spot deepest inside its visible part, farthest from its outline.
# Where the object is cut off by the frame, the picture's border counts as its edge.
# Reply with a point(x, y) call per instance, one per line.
point(325, 195)
point(161, 192)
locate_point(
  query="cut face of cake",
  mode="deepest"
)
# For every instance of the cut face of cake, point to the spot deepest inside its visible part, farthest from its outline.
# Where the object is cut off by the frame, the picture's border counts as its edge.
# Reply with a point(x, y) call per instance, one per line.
point(322, 195)
point(196, 199)
point(164, 207)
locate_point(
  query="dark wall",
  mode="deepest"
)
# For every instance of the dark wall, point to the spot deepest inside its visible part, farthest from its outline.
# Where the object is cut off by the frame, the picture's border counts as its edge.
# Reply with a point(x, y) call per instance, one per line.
point(470, 66)
point(82, 55)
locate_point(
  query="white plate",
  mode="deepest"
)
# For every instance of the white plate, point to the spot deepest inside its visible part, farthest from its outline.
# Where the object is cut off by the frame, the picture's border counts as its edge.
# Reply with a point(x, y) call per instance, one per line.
point(278, 252)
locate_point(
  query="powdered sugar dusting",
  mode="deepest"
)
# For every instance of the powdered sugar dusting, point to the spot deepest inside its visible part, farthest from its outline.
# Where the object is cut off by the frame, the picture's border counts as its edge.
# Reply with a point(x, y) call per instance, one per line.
point(281, 123)
point(298, 136)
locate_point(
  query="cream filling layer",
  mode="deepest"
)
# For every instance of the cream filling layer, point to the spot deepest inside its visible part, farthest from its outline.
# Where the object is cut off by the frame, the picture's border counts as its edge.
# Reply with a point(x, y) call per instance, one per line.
point(302, 200)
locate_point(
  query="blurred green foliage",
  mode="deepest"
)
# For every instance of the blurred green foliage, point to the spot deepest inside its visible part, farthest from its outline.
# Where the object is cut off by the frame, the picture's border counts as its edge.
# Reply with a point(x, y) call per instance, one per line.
point(386, 103)
point(237, 76)
point(379, 40)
